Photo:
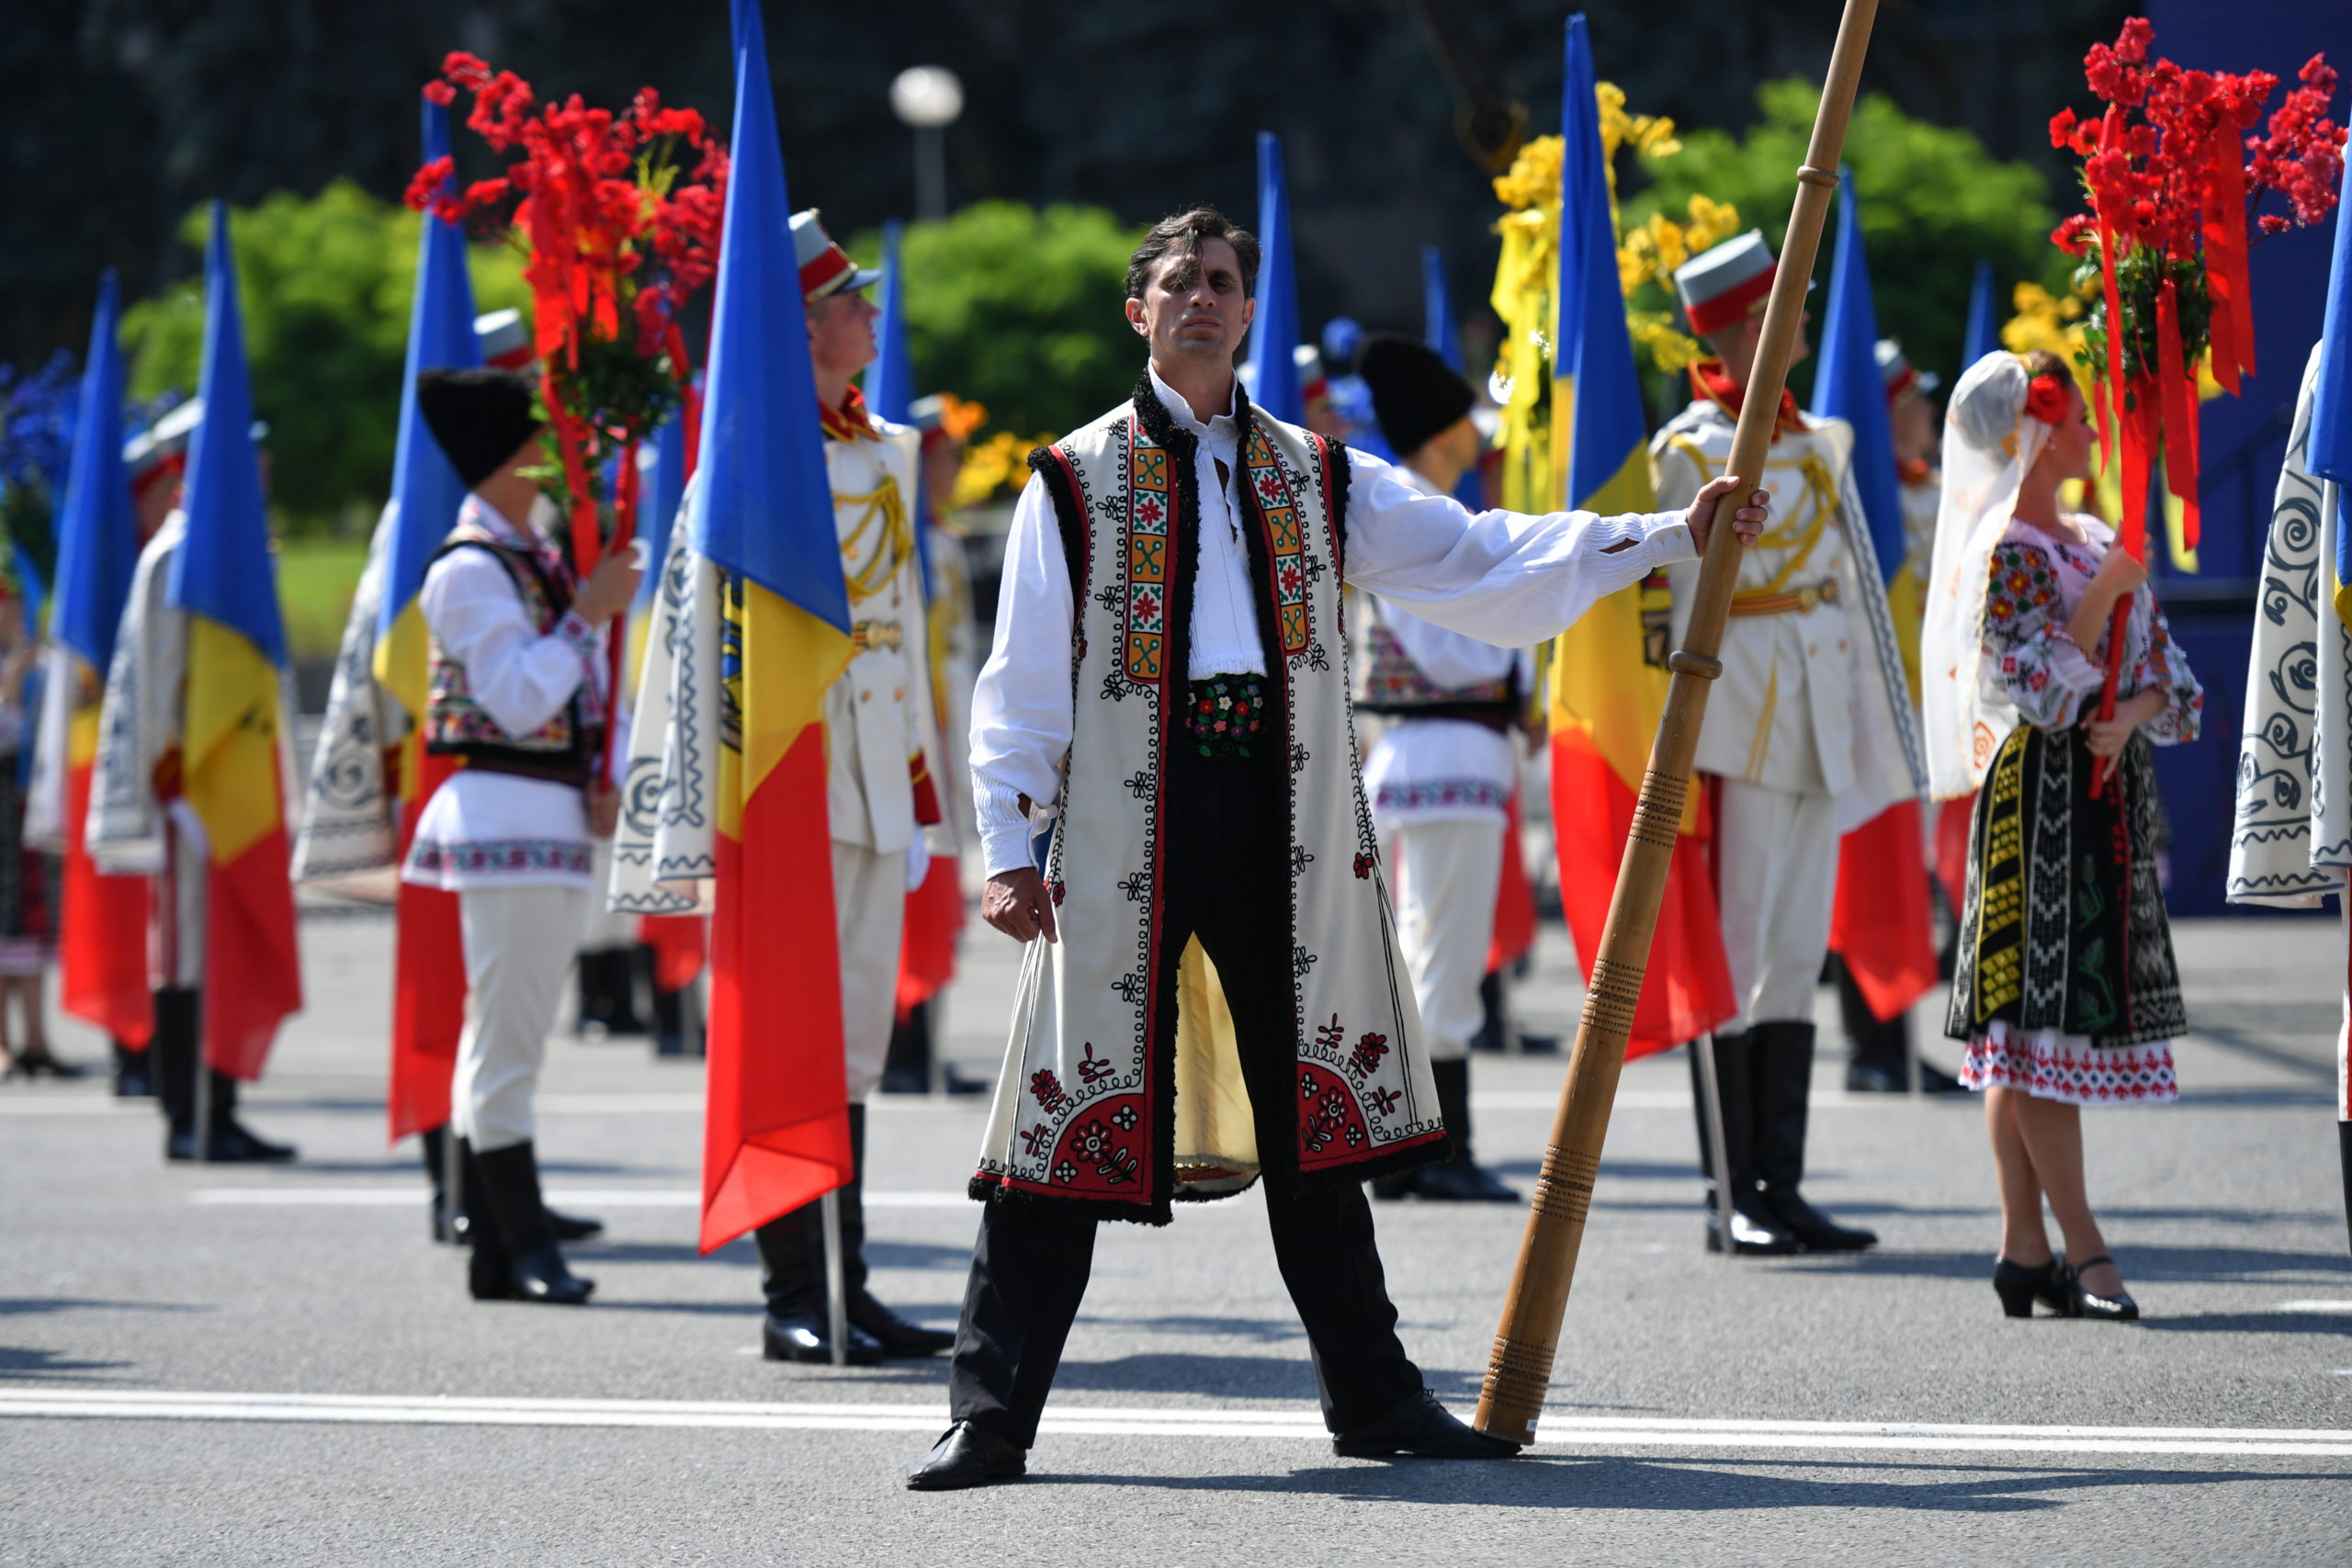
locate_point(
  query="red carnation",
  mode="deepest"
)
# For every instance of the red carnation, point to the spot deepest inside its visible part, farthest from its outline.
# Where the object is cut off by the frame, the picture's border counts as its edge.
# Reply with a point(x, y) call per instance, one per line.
point(439, 93)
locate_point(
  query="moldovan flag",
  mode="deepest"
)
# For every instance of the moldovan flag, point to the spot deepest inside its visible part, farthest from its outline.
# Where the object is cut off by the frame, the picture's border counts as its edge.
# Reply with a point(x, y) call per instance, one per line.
point(1608, 680)
point(1881, 926)
point(102, 949)
point(428, 947)
point(233, 756)
point(761, 511)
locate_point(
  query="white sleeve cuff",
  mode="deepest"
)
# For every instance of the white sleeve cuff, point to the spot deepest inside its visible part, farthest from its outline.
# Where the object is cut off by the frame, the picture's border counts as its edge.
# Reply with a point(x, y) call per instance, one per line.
point(1004, 829)
point(1668, 537)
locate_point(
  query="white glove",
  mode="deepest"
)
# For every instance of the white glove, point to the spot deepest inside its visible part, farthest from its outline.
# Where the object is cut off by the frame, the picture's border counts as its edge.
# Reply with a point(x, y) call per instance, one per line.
point(918, 861)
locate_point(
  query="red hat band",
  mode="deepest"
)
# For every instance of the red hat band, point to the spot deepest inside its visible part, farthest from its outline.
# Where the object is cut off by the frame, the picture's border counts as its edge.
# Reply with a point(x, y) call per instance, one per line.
point(1710, 316)
point(821, 273)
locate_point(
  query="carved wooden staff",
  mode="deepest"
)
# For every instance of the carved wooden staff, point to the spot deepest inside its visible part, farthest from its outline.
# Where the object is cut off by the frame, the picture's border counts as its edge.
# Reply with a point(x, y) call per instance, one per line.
point(1519, 1369)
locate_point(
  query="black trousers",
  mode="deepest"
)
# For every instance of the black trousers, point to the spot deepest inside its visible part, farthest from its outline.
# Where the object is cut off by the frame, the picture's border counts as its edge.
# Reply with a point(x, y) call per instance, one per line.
point(1229, 883)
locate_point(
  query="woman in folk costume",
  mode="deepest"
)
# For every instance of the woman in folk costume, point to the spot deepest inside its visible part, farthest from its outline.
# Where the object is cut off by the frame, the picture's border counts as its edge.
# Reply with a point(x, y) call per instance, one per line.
point(1440, 776)
point(1218, 994)
point(27, 922)
point(517, 691)
point(2064, 988)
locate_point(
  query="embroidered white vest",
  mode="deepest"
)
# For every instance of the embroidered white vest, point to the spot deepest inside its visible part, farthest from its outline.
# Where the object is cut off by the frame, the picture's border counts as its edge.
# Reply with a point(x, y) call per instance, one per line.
point(1121, 1088)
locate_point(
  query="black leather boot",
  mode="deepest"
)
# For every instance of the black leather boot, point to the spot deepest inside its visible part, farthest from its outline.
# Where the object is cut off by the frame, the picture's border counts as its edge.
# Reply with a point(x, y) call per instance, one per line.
point(669, 1007)
point(894, 1334)
point(2343, 1157)
point(535, 1268)
point(906, 1067)
point(608, 992)
point(132, 1077)
point(1783, 1088)
point(171, 1053)
point(487, 1275)
point(1753, 1232)
point(433, 1152)
point(1459, 1178)
point(792, 1276)
point(232, 1140)
point(1878, 1051)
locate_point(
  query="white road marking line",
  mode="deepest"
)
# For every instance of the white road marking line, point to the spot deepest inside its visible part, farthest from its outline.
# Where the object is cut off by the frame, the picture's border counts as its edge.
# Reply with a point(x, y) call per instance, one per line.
point(411, 1196)
point(1562, 1429)
point(2315, 1306)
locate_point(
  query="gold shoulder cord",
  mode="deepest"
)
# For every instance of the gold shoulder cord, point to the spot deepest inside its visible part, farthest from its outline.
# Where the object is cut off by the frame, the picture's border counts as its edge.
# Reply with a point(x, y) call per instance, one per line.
point(1820, 491)
point(885, 512)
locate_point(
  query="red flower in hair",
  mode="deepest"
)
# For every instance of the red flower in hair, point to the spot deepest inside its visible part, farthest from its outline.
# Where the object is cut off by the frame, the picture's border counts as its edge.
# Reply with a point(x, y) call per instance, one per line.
point(2046, 399)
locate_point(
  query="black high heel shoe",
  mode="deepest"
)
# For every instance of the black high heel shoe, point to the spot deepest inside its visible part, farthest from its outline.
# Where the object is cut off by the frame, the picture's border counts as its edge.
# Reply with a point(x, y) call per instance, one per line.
point(2117, 1308)
point(2021, 1285)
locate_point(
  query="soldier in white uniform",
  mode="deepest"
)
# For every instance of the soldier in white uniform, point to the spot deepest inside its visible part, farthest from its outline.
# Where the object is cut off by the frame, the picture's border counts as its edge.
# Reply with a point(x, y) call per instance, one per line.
point(882, 791)
point(1809, 732)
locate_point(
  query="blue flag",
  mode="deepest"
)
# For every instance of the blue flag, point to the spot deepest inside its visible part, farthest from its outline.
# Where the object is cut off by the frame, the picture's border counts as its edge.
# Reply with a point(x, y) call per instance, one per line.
point(97, 538)
point(426, 486)
point(890, 385)
point(1849, 385)
point(661, 472)
point(1437, 329)
point(223, 571)
point(1594, 354)
point(764, 507)
point(1273, 340)
point(2331, 438)
point(1983, 332)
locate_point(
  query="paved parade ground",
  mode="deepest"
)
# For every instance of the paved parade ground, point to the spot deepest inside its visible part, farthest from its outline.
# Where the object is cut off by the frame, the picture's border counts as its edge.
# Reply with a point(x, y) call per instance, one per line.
point(274, 1365)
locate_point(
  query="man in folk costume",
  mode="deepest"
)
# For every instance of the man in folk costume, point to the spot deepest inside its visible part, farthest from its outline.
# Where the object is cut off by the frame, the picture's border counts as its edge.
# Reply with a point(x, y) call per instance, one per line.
point(1218, 996)
point(134, 830)
point(2291, 846)
point(881, 797)
point(1879, 1050)
point(1810, 732)
point(516, 690)
point(1440, 777)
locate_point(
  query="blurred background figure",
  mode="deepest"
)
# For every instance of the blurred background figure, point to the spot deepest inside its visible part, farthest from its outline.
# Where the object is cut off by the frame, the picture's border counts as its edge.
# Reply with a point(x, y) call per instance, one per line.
point(28, 939)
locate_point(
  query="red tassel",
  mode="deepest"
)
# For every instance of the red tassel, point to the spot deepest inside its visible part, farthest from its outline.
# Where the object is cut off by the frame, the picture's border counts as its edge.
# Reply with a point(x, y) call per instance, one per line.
point(2177, 394)
point(2120, 433)
point(2226, 277)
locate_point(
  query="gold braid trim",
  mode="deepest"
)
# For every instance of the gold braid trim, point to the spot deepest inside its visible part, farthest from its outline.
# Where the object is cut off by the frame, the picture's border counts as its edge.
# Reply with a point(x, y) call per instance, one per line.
point(884, 517)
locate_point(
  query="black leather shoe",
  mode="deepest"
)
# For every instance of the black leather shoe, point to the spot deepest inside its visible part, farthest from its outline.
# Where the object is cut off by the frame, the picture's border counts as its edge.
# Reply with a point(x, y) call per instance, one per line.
point(1872, 1078)
point(228, 1145)
point(257, 1150)
point(894, 1334)
point(1397, 1184)
point(539, 1275)
point(488, 1274)
point(1421, 1428)
point(1815, 1231)
point(2020, 1286)
point(2117, 1308)
point(800, 1337)
point(953, 1079)
point(1462, 1181)
point(1752, 1235)
point(965, 1456)
point(573, 1227)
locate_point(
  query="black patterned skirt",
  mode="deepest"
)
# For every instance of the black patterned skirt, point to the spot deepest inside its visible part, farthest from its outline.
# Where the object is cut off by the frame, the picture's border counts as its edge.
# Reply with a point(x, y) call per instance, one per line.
point(2064, 983)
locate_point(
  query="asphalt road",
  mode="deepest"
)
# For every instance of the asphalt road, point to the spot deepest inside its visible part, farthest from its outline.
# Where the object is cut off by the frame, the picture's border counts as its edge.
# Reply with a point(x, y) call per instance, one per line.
point(241, 1366)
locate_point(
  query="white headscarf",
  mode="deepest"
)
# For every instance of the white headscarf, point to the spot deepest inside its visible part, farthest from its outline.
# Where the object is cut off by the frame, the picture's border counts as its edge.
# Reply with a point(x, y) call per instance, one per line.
point(1989, 443)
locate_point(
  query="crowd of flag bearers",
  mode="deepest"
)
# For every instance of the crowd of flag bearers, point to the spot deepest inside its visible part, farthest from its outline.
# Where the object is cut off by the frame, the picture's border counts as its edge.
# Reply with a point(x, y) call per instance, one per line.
point(1205, 588)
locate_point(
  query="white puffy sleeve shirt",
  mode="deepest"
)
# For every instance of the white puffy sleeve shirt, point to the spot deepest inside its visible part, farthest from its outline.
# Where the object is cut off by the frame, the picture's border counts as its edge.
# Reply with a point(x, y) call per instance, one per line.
point(1505, 578)
point(486, 829)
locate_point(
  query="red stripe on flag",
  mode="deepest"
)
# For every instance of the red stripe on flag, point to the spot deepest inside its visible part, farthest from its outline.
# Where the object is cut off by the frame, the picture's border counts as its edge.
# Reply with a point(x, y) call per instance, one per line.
point(428, 978)
point(1880, 925)
point(1952, 820)
point(1514, 897)
point(253, 969)
point(934, 921)
point(102, 945)
point(775, 1130)
point(1686, 989)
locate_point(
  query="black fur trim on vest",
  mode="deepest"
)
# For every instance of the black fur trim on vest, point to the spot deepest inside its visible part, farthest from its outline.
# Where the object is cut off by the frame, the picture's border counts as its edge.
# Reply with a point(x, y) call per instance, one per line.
point(1069, 515)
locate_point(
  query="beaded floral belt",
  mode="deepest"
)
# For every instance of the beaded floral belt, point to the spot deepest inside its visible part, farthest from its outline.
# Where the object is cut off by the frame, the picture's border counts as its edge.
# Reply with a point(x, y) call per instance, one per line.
point(1227, 716)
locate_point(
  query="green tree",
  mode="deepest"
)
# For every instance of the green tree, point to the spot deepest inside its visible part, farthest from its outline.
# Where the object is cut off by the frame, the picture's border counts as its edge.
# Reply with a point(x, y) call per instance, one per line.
point(324, 285)
point(1022, 310)
point(1934, 202)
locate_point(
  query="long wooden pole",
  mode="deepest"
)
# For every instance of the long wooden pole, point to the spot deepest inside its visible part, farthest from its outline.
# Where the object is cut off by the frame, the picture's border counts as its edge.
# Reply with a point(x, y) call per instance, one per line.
point(1519, 1369)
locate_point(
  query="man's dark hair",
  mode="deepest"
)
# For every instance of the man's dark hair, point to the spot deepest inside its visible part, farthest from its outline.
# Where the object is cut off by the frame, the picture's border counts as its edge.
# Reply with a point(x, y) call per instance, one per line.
point(1183, 235)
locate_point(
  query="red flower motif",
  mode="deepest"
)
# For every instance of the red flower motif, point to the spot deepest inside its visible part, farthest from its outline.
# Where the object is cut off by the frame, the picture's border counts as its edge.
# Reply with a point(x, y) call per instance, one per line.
point(2047, 399)
point(439, 93)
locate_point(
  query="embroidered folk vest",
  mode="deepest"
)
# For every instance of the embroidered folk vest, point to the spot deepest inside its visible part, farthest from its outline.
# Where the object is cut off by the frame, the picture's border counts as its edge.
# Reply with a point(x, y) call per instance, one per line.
point(562, 750)
point(1121, 1087)
point(1391, 683)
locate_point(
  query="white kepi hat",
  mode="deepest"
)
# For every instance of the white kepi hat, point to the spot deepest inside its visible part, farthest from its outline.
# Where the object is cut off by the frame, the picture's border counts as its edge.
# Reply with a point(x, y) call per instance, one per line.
point(505, 344)
point(1721, 286)
point(825, 267)
point(1900, 375)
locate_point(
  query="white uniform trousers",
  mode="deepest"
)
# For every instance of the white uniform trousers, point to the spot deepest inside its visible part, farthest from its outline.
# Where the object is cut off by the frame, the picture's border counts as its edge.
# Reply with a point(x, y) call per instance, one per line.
point(1448, 874)
point(1776, 859)
point(519, 945)
point(870, 913)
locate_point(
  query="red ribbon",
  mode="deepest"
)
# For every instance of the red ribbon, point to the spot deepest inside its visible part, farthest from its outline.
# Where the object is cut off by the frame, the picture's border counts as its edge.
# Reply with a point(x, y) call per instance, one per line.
point(2178, 392)
point(2226, 278)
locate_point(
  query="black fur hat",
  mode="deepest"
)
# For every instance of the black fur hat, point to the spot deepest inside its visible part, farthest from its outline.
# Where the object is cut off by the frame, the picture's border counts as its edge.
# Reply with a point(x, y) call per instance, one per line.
point(481, 418)
point(1415, 393)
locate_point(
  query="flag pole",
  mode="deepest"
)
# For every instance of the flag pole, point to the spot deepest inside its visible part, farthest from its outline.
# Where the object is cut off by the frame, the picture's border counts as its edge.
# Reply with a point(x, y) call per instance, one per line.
point(1711, 1086)
point(829, 1208)
point(1519, 1369)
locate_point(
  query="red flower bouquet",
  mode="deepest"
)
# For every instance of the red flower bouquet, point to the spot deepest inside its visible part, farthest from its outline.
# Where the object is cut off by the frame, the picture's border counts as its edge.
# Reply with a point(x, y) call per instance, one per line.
point(618, 215)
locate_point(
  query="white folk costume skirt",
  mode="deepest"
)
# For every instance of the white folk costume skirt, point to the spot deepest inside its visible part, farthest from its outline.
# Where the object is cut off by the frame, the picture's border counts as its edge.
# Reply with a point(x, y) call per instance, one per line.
point(2064, 985)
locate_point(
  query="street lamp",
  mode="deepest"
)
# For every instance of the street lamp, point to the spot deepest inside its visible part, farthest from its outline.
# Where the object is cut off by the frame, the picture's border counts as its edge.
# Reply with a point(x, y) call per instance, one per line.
point(928, 98)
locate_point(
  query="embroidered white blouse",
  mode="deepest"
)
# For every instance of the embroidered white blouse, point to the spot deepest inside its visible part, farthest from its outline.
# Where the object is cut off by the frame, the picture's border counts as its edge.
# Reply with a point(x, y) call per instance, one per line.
point(1505, 577)
point(502, 830)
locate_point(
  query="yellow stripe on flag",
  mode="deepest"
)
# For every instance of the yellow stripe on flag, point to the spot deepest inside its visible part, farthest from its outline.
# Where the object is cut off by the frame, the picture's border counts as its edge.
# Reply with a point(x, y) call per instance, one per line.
point(403, 660)
point(82, 738)
point(1603, 684)
point(231, 746)
point(777, 660)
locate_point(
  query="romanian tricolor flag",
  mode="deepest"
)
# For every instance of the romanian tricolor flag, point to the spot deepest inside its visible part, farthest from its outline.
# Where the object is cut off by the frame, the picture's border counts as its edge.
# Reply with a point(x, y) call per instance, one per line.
point(103, 945)
point(231, 752)
point(429, 954)
point(1881, 926)
point(777, 1131)
point(1609, 678)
